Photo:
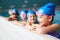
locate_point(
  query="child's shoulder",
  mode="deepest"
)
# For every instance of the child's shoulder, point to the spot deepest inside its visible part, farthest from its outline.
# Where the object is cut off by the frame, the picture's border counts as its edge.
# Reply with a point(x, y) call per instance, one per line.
point(56, 25)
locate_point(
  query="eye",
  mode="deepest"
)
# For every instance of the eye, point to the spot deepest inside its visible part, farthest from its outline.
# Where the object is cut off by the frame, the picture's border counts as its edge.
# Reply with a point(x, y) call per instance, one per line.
point(40, 17)
point(14, 13)
point(34, 16)
point(30, 16)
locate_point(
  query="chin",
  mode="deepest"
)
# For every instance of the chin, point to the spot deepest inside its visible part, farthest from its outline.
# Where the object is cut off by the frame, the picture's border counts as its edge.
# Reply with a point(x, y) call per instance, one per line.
point(41, 24)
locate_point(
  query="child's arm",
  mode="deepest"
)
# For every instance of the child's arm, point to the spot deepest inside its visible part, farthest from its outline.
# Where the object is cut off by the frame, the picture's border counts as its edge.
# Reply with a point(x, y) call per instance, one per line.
point(48, 29)
point(19, 23)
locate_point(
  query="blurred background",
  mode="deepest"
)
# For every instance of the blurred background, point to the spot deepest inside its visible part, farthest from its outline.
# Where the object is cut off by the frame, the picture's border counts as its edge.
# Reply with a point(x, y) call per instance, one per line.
point(7, 4)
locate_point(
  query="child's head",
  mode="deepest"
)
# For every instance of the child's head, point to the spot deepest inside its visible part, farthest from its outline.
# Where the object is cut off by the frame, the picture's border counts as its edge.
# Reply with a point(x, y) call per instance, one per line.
point(31, 16)
point(23, 14)
point(46, 14)
point(14, 13)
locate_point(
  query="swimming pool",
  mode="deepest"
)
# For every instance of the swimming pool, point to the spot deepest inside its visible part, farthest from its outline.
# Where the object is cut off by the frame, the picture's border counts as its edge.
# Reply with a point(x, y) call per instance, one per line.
point(57, 17)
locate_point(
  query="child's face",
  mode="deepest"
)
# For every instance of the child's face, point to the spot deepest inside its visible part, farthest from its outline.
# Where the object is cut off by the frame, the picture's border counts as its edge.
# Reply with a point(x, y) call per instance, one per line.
point(32, 18)
point(44, 19)
point(23, 16)
point(14, 15)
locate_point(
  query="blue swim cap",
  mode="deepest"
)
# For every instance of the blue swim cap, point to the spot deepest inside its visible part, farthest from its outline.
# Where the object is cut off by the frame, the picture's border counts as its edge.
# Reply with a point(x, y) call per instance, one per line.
point(15, 11)
point(48, 9)
point(25, 11)
point(30, 12)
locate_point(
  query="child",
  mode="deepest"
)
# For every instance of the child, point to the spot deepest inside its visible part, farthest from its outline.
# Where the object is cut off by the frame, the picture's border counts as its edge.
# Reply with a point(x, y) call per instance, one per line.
point(31, 19)
point(23, 15)
point(45, 17)
point(13, 15)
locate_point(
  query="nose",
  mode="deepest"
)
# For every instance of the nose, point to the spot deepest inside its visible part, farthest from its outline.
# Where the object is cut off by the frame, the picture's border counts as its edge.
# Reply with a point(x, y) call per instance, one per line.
point(32, 18)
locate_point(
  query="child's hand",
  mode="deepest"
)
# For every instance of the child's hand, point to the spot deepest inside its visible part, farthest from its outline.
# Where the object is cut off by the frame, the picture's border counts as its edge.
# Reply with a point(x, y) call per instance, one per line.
point(33, 28)
point(41, 30)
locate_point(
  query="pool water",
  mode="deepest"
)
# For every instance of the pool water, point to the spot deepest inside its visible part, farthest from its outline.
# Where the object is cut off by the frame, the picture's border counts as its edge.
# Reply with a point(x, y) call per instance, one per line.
point(57, 17)
point(4, 13)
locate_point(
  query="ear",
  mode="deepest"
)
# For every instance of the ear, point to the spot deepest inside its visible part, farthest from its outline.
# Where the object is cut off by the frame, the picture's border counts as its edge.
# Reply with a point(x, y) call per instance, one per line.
point(50, 18)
